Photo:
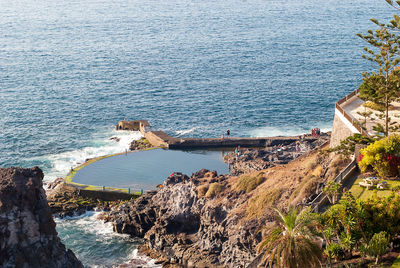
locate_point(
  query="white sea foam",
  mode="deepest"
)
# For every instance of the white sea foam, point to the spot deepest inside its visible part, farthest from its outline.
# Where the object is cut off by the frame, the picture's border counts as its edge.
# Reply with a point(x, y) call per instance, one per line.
point(150, 262)
point(102, 145)
point(270, 131)
point(89, 223)
point(102, 237)
point(185, 131)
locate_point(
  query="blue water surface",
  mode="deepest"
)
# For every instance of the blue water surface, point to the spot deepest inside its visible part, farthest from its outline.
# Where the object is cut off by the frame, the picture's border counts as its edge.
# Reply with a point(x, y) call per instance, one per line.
point(144, 170)
point(69, 69)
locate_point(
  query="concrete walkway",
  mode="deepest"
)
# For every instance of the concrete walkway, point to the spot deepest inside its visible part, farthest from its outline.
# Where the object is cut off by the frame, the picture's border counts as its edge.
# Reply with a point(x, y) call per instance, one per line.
point(354, 106)
point(160, 138)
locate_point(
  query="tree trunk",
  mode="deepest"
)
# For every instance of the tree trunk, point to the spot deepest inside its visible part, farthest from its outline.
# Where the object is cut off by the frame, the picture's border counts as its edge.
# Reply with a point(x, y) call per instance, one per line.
point(387, 116)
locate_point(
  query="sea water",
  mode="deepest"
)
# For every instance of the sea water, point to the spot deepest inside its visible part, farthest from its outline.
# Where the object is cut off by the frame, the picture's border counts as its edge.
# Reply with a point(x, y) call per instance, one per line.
point(69, 70)
point(95, 243)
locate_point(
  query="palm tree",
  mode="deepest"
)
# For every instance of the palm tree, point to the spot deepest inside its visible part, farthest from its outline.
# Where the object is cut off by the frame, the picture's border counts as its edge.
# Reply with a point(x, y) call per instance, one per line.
point(292, 243)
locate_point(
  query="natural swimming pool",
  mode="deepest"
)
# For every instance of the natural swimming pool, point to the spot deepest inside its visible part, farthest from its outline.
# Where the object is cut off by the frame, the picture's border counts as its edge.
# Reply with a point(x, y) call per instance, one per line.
point(145, 169)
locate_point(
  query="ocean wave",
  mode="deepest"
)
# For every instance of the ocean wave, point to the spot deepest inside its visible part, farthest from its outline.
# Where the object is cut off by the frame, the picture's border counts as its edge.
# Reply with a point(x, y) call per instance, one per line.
point(185, 131)
point(270, 131)
point(61, 163)
point(149, 263)
point(96, 244)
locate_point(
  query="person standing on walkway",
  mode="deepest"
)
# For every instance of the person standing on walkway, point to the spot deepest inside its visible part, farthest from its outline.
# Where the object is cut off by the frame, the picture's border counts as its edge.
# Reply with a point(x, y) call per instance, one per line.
point(228, 133)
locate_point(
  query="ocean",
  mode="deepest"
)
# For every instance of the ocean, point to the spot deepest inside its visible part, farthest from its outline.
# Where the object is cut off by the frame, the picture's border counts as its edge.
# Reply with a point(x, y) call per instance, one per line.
point(69, 70)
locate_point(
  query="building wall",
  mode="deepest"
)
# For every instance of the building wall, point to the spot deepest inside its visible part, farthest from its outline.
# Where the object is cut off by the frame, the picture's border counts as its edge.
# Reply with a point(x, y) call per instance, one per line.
point(341, 129)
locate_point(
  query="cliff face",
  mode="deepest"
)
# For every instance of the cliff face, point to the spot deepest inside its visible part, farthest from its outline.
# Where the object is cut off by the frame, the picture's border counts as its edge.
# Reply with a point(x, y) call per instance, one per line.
point(28, 237)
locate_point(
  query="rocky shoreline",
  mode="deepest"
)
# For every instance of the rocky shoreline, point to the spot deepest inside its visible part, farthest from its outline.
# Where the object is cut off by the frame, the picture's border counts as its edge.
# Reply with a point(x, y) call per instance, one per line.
point(28, 237)
point(250, 160)
point(207, 219)
point(189, 230)
point(211, 220)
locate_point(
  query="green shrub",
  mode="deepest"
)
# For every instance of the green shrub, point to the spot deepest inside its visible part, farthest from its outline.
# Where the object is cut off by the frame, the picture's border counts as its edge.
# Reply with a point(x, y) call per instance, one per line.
point(374, 106)
point(378, 245)
point(332, 191)
point(335, 251)
point(248, 184)
point(214, 189)
point(347, 146)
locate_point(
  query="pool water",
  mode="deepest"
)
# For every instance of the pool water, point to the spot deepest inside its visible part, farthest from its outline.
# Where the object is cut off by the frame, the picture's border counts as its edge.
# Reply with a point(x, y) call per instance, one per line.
point(145, 169)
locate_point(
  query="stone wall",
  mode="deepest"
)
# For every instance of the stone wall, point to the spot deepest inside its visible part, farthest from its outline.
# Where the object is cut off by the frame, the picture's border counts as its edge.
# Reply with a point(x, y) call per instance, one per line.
point(340, 130)
point(156, 138)
point(135, 125)
point(104, 195)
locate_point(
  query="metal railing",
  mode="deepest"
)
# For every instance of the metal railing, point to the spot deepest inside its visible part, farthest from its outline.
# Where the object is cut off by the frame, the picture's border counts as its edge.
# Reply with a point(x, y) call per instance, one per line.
point(131, 191)
point(321, 197)
point(348, 116)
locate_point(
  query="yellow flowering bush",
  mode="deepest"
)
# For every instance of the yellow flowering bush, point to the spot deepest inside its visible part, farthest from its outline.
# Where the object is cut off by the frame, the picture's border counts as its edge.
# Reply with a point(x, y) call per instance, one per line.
point(383, 156)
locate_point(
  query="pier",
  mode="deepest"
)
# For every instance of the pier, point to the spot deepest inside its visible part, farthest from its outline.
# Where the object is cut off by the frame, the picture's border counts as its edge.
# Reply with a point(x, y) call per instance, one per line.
point(161, 139)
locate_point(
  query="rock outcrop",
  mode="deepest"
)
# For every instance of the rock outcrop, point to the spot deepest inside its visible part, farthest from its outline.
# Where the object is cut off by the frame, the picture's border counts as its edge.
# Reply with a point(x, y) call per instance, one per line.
point(28, 237)
point(209, 220)
point(250, 160)
point(189, 230)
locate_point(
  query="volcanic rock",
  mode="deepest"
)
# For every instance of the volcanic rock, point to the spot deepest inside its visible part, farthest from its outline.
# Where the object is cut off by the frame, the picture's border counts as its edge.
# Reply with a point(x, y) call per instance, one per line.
point(28, 237)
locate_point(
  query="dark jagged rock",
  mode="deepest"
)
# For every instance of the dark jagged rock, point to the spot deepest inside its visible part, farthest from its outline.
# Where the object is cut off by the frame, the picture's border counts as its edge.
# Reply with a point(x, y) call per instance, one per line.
point(249, 160)
point(140, 144)
point(28, 237)
point(175, 178)
point(188, 230)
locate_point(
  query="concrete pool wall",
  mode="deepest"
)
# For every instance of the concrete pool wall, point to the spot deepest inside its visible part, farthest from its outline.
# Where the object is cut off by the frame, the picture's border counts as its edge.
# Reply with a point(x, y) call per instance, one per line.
point(133, 173)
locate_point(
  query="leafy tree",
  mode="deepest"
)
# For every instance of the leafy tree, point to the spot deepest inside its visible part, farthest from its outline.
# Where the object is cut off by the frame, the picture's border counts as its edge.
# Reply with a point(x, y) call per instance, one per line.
point(382, 87)
point(382, 156)
point(332, 191)
point(395, 4)
point(343, 224)
point(366, 115)
point(377, 246)
point(347, 146)
point(292, 243)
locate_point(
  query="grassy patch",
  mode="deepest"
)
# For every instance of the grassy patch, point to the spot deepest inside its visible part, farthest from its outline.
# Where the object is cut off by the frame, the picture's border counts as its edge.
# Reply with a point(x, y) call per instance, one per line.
point(248, 183)
point(214, 189)
point(264, 199)
point(202, 190)
point(317, 171)
point(361, 192)
point(396, 263)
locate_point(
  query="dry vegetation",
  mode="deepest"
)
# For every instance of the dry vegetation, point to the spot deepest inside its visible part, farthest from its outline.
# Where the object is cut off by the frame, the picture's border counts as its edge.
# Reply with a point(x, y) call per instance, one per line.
point(280, 186)
point(248, 183)
point(214, 189)
point(265, 199)
point(202, 190)
point(285, 185)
